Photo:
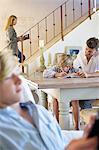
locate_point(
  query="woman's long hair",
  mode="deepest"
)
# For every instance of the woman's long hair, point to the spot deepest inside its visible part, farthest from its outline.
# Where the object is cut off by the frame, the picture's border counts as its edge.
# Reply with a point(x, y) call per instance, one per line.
point(10, 21)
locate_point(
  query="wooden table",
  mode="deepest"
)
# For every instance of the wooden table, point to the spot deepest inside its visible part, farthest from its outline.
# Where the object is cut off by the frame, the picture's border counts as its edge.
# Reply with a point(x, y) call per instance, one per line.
point(66, 90)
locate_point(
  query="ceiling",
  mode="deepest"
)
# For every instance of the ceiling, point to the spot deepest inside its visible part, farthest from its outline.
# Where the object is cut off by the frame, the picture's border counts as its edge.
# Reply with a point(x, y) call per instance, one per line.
point(28, 7)
point(33, 9)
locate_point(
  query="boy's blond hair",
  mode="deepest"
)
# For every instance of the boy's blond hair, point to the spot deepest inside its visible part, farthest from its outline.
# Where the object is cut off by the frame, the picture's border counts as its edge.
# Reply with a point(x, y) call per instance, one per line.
point(7, 64)
point(56, 59)
point(66, 61)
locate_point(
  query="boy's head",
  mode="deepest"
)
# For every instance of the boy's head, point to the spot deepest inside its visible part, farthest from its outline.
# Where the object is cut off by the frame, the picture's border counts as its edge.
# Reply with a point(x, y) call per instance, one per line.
point(58, 58)
point(66, 62)
point(10, 83)
point(7, 64)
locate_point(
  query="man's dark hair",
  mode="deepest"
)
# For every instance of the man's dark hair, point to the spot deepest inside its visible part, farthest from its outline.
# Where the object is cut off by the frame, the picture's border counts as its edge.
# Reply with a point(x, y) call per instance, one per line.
point(93, 43)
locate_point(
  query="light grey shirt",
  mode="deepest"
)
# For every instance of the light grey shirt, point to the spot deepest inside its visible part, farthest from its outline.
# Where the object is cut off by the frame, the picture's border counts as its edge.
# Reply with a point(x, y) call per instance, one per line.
point(12, 39)
point(50, 73)
point(18, 134)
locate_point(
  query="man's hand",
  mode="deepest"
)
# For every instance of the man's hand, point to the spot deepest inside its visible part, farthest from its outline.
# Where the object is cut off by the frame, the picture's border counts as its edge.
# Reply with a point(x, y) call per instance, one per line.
point(81, 74)
point(87, 75)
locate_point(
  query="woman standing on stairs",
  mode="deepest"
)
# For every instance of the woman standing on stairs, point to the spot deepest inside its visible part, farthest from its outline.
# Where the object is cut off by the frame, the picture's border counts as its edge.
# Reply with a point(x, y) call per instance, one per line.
point(12, 38)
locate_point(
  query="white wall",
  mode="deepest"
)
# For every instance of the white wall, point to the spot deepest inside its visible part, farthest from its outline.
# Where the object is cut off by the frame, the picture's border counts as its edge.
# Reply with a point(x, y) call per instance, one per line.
point(89, 28)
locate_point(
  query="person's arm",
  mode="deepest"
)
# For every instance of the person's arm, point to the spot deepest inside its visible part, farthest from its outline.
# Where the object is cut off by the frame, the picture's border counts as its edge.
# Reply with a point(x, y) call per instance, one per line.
point(53, 73)
point(89, 75)
point(19, 38)
point(61, 74)
point(50, 73)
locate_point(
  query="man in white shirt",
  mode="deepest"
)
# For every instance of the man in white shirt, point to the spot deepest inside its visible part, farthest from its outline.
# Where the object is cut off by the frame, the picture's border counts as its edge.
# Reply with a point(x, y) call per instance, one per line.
point(88, 61)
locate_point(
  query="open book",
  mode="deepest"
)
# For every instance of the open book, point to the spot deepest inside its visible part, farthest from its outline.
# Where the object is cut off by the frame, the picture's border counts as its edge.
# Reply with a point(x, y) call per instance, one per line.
point(71, 75)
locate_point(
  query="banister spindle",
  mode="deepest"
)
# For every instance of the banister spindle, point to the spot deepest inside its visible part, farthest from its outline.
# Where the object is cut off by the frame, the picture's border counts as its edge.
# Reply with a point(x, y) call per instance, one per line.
point(30, 43)
point(73, 12)
point(22, 55)
point(89, 8)
point(81, 7)
point(61, 12)
point(38, 33)
point(53, 24)
point(65, 16)
point(22, 51)
point(46, 28)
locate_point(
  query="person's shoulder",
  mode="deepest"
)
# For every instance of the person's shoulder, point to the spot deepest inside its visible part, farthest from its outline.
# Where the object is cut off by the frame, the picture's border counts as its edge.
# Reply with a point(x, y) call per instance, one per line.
point(79, 55)
point(96, 55)
point(55, 67)
point(81, 52)
point(44, 112)
point(41, 108)
point(10, 28)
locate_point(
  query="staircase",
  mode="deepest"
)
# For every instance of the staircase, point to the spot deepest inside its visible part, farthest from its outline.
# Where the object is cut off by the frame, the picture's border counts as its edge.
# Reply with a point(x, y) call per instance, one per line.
point(55, 26)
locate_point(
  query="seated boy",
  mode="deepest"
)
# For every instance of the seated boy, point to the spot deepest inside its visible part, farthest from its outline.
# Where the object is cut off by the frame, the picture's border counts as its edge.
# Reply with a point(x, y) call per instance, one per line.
point(61, 69)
